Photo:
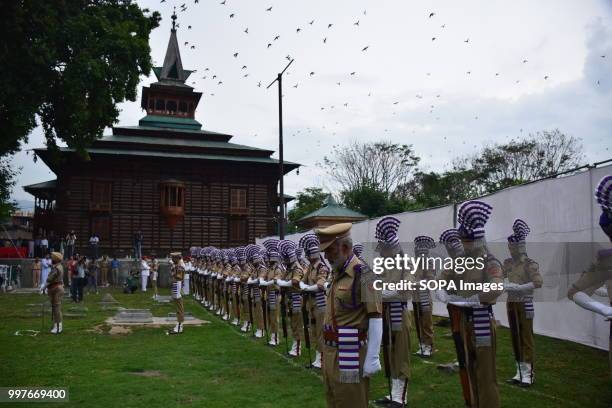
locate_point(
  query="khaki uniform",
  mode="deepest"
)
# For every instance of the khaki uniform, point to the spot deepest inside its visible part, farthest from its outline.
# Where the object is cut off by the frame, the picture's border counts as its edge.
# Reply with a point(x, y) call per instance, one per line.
point(520, 309)
point(316, 274)
point(600, 273)
point(273, 297)
point(422, 305)
point(480, 380)
point(245, 292)
point(104, 267)
point(55, 289)
point(234, 291)
point(260, 271)
point(295, 273)
point(177, 275)
point(345, 309)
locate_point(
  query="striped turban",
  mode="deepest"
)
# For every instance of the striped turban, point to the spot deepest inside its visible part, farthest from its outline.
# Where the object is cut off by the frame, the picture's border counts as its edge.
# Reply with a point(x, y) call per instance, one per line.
point(603, 195)
point(358, 250)
point(451, 239)
point(310, 243)
point(386, 231)
point(241, 255)
point(473, 216)
point(287, 250)
point(271, 246)
point(253, 253)
point(423, 243)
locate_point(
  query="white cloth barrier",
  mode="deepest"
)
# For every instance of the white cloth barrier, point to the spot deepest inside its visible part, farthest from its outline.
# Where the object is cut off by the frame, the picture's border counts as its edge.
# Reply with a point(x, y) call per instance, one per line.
point(559, 211)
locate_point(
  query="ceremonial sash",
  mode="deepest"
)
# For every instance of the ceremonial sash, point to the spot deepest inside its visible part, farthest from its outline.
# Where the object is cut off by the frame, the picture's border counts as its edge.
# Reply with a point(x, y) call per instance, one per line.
point(234, 287)
point(529, 308)
point(320, 299)
point(256, 294)
point(296, 302)
point(396, 311)
point(481, 316)
point(348, 354)
point(424, 300)
point(175, 291)
point(272, 299)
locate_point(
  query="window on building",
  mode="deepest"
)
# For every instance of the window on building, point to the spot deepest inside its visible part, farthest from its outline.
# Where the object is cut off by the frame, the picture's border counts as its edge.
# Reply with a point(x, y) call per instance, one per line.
point(171, 107)
point(172, 194)
point(238, 230)
point(183, 107)
point(160, 105)
point(151, 103)
point(101, 226)
point(101, 195)
point(238, 198)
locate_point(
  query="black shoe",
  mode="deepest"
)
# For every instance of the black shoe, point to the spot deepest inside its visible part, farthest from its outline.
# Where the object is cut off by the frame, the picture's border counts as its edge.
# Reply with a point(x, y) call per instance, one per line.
point(383, 402)
point(394, 404)
point(512, 381)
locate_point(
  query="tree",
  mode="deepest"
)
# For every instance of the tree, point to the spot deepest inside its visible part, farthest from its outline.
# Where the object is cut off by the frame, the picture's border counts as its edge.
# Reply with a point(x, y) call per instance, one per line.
point(7, 182)
point(521, 160)
point(69, 63)
point(372, 202)
point(432, 189)
point(307, 201)
point(378, 165)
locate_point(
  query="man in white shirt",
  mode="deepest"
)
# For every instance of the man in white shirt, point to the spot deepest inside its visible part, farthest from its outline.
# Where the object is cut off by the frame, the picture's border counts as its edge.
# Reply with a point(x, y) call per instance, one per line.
point(46, 268)
point(144, 273)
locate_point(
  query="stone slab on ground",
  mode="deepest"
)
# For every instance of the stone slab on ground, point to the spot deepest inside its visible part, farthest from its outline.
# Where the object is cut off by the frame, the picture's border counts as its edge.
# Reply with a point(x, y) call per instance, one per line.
point(156, 322)
point(134, 316)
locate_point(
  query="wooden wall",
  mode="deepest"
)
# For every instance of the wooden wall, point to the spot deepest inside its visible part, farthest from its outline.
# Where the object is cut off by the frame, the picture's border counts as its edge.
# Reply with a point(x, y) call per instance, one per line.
point(135, 202)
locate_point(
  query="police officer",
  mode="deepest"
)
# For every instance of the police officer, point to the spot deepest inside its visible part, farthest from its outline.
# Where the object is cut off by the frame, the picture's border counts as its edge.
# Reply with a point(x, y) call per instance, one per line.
point(352, 327)
point(523, 277)
point(600, 273)
point(291, 280)
point(423, 317)
point(396, 318)
point(177, 274)
point(477, 322)
point(274, 271)
point(313, 285)
point(54, 285)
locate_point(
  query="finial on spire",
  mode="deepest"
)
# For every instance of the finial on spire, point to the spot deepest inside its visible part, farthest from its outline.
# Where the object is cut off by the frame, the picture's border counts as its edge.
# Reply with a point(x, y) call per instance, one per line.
point(173, 19)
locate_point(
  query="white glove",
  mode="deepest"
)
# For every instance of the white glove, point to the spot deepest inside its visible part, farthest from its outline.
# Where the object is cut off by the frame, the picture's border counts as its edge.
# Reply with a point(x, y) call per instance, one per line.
point(603, 292)
point(442, 296)
point(371, 365)
point(389, 294)
point(583, 300)
point(237, 279)
point(42, 290)
point(473, 300)
point(326, 285)
point(251, 281)
point(312, 288)
point(264, 282)
point(228, 279)
point(283, 283)
point(303, 286)
point(515, 288)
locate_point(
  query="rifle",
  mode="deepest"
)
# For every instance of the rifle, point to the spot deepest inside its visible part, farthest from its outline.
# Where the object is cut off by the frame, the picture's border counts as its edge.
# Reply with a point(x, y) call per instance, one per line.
point(283, 310)
point(386, 340)
point(265, 312)
point(306, 330)
point(250, 302)
point(227, 298)
point(454, 312)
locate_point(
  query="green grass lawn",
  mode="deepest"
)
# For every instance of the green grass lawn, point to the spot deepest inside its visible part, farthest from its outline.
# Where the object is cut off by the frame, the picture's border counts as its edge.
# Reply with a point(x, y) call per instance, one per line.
point(215, 365)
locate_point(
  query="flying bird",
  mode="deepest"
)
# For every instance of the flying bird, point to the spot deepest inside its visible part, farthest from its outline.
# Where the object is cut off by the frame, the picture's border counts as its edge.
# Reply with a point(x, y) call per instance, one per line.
point(259, 84)
point(431, 15)
point(433, 38)
point(338, 83)
point(277, 37)
point(232, 15)
point(288, 57)
point(298, 30)
point(244, 67)
point(311, 23)
point(189, 27)
point(235, 55)
point(396, 102)
point(193, 47)
point(312, 73)
point(223, 2)
point(545, 77)
point(246, 30)
point(214, 76)
point(353, 73)
point(524, 61)
point(245, 75)
point(269, 45)
point(329, 25)
point(269, 8)
point(220, 83)
point(356, 23)
point(325, 40)
point(295, 86)
point(443, 26)
point(186, 42)
point(365, 48)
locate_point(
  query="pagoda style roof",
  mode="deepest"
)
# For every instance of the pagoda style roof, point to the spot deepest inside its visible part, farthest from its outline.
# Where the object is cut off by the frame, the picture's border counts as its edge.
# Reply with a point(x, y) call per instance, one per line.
point(170, 130)
point(332, 210)
point(44, 190)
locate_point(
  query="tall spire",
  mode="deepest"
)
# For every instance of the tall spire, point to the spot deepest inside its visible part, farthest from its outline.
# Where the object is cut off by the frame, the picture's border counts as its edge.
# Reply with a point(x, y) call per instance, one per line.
point(173, 67)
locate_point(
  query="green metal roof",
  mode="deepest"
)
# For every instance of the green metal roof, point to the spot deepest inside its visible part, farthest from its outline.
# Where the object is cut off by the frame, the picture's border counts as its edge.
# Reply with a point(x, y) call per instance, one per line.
point(218, 157)
point(332, 209)
point(172, 122)
point(171, 141)
point(177, 130)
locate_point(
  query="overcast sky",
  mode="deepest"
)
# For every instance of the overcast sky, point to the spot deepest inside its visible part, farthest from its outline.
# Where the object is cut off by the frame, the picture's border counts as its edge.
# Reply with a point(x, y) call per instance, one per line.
point(406, 87)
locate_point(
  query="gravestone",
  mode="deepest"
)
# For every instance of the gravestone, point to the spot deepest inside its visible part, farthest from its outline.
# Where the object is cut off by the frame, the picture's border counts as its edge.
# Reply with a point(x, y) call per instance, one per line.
point(172, 316)
point(134, 316)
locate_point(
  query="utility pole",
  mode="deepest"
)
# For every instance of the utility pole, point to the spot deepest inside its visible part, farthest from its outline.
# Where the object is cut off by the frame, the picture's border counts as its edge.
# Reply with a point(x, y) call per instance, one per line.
point(281, 221)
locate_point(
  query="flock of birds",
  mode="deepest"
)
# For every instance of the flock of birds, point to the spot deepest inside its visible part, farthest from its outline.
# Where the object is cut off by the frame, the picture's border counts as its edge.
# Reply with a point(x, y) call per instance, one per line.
point(213, 79)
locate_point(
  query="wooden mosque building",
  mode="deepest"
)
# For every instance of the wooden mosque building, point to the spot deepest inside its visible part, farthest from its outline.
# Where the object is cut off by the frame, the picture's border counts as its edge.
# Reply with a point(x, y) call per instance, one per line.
point(178, 184)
